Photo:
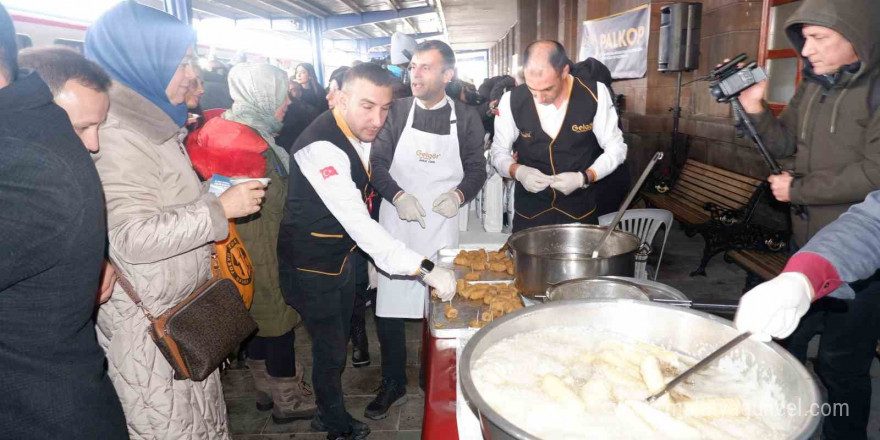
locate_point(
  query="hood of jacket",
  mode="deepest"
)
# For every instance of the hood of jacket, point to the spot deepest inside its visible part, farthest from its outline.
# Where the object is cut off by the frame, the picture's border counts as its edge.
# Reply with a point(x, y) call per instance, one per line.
point(140, 114)
point(850, 18)
point(227, 148)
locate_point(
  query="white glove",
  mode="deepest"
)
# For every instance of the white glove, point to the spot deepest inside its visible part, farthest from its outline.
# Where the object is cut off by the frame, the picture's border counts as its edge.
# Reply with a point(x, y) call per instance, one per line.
point(532, 180)
point(566, 183)
point(447, 204)
point(443, 281)
point(372, 276)
point(409, 209)
point(773, 309)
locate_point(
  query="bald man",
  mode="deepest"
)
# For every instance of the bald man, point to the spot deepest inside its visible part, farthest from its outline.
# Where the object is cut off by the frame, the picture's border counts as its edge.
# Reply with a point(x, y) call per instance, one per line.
point(556, 135)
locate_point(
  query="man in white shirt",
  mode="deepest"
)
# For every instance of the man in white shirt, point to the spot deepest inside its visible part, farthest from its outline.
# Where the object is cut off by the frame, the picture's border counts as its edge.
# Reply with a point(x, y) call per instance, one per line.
point(555, 135)
point(325, 218)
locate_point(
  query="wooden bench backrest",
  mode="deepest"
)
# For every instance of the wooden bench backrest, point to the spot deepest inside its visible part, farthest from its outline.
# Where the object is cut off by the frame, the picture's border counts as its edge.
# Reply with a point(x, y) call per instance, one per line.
point(700, 183)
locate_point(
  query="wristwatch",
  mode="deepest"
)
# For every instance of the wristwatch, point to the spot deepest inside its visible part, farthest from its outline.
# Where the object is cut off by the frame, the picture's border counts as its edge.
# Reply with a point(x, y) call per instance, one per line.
point(586, 179)
point(425, 268)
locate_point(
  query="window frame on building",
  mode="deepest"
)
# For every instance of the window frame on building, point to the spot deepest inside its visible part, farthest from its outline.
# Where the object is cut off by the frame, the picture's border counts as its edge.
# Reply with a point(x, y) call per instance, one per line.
point(765, 53)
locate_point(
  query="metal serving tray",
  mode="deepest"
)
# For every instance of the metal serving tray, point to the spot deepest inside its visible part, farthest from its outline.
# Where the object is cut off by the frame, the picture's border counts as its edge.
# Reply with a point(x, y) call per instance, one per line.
point(440, 326)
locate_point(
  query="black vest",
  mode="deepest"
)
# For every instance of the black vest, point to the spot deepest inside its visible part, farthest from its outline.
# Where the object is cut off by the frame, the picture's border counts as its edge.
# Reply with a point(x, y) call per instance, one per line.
point(311, 239)
point(574, 148)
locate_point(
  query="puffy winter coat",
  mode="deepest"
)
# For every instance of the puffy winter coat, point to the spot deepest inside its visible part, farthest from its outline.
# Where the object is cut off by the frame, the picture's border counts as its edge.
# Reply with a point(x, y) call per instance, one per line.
point(162, 226)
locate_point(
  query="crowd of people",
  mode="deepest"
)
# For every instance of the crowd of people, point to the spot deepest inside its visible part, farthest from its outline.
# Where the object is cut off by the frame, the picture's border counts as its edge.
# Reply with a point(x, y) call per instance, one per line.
point(107, 164)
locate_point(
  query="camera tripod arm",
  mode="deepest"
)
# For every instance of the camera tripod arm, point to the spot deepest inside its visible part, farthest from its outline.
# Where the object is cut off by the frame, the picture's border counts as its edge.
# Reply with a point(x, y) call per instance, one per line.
point(799, 210)
point(753, 133)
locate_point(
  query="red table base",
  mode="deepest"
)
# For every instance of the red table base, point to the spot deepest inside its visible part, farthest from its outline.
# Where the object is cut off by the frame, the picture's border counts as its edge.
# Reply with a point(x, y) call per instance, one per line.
point(438, 364)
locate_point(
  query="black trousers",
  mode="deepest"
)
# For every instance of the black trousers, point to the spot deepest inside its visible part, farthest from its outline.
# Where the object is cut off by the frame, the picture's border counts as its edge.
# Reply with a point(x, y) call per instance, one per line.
point(325, 304)
point(276, 351)
point(850, 330)
point(392, 341)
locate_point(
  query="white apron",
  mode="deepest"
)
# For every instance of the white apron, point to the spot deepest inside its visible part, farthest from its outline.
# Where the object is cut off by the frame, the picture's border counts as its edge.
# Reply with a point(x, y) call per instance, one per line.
point(424, 165)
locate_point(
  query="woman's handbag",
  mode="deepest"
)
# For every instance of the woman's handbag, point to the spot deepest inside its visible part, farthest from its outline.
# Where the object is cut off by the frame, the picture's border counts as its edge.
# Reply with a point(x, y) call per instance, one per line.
point(235, 264)
point(197, 334)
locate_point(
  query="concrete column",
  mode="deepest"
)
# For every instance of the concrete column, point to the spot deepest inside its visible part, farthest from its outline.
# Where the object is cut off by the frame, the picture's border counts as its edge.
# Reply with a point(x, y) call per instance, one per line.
point(548, 19)
point(526, 26)
point(569, 26)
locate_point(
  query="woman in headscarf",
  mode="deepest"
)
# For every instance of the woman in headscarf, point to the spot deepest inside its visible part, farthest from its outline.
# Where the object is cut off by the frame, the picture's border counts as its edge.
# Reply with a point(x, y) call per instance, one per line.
point(161, 221)
point(241, 143)
point(313, 93)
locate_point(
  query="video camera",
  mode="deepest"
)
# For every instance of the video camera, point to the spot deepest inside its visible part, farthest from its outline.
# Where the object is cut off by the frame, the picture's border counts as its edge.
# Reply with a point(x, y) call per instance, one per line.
point(729, 80)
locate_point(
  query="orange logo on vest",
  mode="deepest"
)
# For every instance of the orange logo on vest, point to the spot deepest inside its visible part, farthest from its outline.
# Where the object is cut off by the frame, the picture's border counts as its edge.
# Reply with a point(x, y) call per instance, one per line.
point(526, 134)
point(583, 128)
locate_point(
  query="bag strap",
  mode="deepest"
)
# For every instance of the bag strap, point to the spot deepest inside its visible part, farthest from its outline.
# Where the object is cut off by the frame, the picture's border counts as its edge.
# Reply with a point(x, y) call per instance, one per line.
point(129, 290)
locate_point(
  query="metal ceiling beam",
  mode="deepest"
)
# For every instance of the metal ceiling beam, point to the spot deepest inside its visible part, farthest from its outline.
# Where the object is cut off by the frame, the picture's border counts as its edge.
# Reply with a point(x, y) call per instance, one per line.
point(350, 20)
point(442, 16)
point(307, 6)
point(412, 24)
point(384, 41)
point(382, 28)
point(281, 8)
point(239, 6)
point(353, 6)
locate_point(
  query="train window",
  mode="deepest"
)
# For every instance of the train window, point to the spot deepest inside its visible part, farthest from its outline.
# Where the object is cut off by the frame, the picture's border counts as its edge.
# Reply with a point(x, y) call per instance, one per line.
point(23, 41)
point(76, 45)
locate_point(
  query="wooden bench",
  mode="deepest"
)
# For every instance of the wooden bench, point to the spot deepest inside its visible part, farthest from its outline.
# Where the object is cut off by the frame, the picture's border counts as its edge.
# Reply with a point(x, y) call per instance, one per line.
point(712, 202)
point(765, 265)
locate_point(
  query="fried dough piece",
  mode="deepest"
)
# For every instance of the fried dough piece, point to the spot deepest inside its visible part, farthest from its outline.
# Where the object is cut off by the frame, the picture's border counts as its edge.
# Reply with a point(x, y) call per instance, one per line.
point(479, 265)
point(472, 276)
point(497, 267)
point(451, 312)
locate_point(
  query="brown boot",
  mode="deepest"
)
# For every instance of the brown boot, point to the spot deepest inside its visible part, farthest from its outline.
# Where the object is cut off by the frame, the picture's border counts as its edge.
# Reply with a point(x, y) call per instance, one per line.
point(293, 398)
point(261, 381)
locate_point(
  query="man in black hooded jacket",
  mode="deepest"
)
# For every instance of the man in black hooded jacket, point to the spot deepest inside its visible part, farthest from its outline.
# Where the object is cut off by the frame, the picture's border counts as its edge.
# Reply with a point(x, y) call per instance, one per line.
point(828, 131)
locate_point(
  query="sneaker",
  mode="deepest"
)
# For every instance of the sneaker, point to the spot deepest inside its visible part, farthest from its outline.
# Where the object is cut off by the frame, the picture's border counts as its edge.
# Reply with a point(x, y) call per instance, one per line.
point(390, 394)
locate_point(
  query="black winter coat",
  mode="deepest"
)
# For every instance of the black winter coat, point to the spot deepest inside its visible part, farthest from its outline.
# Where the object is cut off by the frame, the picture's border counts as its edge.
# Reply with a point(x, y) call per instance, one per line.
point(52, 240)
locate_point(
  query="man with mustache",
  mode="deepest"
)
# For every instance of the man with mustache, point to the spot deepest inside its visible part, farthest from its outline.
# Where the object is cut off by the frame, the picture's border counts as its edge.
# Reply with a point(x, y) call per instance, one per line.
point(429, 151)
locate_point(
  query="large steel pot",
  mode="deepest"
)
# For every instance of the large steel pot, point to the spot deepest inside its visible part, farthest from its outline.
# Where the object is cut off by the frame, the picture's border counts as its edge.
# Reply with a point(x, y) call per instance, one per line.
point(683, 330)
point(547, 255)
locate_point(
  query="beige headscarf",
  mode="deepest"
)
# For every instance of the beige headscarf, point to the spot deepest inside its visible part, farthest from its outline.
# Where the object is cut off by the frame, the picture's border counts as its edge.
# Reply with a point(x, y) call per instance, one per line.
point(257, 90)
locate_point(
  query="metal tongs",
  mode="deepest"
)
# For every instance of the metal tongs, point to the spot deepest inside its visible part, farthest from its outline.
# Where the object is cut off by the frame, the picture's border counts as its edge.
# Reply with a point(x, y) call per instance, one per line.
point(700, 365)
point(629, 198)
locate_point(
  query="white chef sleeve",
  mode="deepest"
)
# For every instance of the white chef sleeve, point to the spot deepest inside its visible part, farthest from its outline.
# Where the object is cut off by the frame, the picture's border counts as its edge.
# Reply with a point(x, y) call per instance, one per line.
point(505, 134)
point(607, 133)
point(328, 170)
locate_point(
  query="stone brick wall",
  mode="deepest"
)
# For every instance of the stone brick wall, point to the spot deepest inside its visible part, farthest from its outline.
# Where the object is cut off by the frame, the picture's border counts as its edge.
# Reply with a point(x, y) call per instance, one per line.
point(729, 27)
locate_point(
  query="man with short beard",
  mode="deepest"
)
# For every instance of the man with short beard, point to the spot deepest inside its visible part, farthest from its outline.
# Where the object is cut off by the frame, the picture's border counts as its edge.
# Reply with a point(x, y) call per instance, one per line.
point(326, 218)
